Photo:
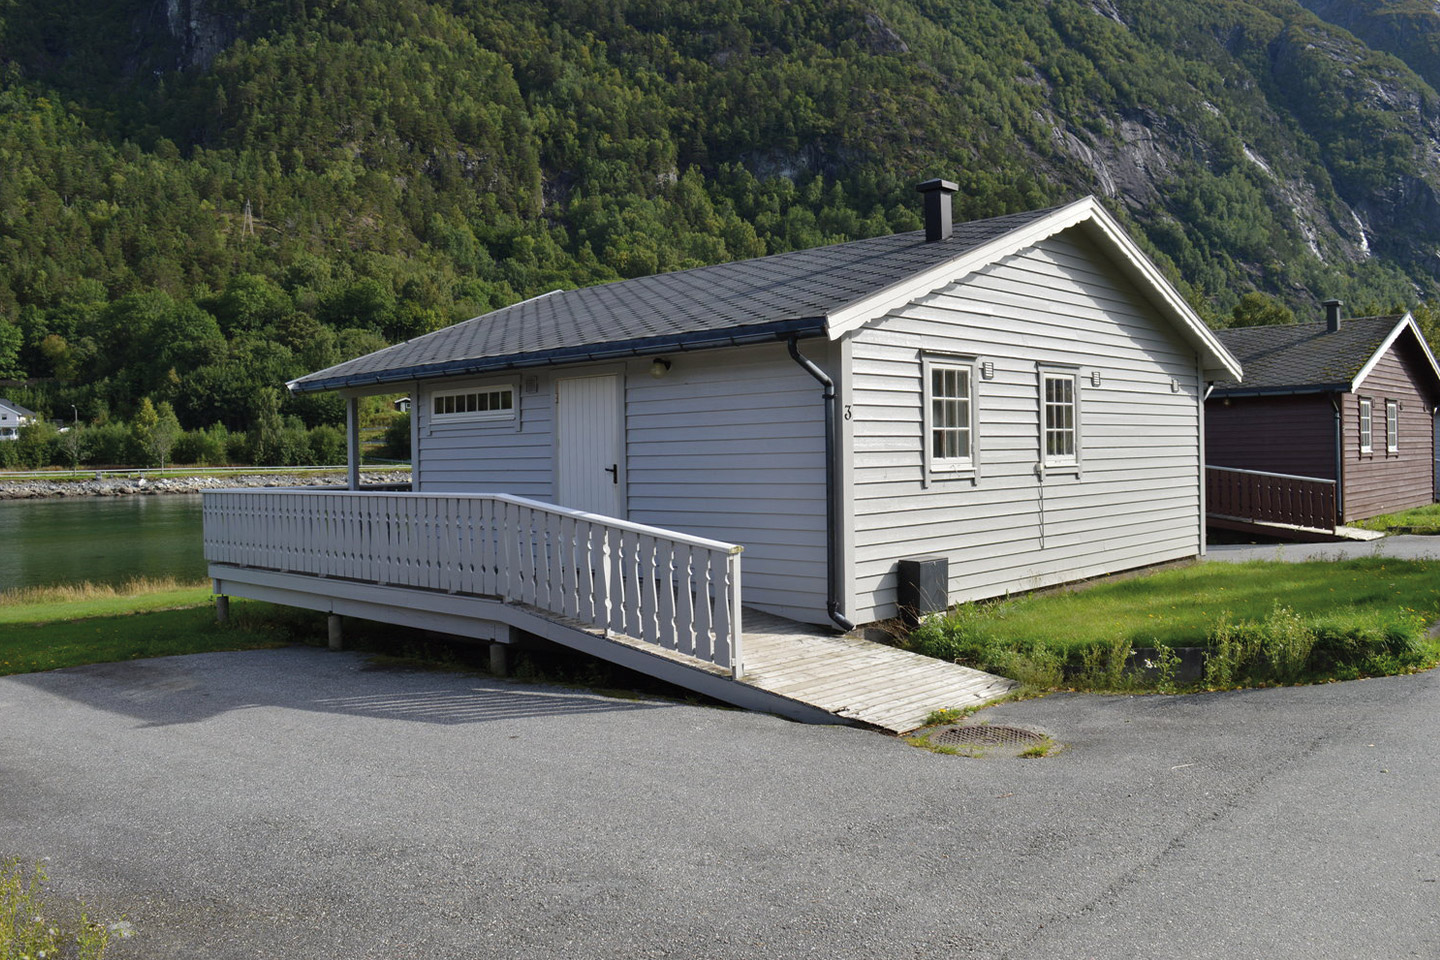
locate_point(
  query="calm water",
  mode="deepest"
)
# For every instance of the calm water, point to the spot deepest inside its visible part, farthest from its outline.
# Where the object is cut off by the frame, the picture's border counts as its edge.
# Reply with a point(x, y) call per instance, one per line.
point(100, 539)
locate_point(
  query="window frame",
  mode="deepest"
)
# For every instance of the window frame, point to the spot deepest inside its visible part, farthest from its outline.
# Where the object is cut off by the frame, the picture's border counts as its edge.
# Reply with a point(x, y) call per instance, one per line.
point(1367, 425)
point(1392, 426)
point(506, 415)
point(1063, 463)
point(946, 468)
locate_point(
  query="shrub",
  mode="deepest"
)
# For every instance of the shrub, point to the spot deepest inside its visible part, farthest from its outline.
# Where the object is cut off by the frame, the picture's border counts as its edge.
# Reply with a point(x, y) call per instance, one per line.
point(109, 444)
point(327, 445)
point(205, 447)
point(396, 445)
point(1285, 647)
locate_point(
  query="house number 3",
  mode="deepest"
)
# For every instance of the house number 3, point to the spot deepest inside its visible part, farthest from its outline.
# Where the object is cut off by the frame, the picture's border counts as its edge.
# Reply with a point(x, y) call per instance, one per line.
point(847, 411)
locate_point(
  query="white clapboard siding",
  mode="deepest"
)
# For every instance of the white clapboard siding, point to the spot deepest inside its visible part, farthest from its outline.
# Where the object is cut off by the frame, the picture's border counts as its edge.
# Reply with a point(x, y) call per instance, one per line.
point(468, 457)
point(730, 445)
point(1137, 498)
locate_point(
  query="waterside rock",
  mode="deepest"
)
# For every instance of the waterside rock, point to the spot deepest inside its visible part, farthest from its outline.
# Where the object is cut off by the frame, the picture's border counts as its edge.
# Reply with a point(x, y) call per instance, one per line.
point(143, 486)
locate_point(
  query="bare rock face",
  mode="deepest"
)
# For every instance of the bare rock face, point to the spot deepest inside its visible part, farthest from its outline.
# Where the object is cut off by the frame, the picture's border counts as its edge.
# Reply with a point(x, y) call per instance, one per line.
point(881, 37)
point(200, 31)
point(173, 35)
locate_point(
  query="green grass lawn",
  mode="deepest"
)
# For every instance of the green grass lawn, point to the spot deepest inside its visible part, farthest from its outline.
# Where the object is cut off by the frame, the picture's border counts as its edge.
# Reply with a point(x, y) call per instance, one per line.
point(67, 627)
point(1423, 520)
point(1360, 617)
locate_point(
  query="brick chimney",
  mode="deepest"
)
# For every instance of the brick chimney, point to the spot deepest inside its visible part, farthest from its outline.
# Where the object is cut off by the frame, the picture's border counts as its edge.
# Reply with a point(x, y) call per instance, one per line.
point(1332, 315)
point(937, 208)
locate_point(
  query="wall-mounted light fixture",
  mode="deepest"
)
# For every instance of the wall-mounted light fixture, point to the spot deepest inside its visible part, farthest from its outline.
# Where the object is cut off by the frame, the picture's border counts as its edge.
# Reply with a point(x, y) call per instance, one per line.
point(987, 369)
point(659, 367)
point(1095, 378)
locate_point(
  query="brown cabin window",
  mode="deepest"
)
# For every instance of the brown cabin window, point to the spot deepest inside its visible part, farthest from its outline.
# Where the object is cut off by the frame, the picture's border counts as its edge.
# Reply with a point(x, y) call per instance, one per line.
point(1392, 426)
point(1366, 441)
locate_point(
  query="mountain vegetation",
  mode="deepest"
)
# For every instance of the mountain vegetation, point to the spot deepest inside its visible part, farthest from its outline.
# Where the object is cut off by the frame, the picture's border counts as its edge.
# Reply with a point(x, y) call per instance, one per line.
point(201, 200)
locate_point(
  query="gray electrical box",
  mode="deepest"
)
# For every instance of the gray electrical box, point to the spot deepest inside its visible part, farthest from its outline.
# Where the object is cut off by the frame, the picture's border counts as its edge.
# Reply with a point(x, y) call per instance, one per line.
point(924, 586)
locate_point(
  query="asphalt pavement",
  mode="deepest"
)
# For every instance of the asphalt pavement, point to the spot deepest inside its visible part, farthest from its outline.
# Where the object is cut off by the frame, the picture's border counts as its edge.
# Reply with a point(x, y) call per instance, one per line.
point(300, 803)
point(1401, 547)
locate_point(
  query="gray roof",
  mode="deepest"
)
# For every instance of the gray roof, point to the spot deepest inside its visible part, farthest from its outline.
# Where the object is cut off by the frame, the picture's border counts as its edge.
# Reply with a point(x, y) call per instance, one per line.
point(16, 407)
point(1303, 357)
point(748, 301)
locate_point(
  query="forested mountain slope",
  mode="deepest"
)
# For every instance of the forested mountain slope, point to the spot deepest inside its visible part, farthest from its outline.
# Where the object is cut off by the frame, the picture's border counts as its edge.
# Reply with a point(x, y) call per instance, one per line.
point(199, 200)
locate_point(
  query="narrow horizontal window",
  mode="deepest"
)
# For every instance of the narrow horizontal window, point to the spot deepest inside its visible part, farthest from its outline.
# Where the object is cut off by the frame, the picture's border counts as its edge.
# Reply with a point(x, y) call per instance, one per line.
point(481, 403)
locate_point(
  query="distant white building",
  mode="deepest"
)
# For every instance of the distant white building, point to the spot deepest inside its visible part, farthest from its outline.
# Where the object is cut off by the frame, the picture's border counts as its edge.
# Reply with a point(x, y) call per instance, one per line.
point(12, 418)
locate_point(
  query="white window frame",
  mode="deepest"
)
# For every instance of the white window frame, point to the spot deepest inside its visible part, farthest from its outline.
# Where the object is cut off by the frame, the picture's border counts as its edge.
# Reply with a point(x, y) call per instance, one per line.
point(1367, 423)
point(949, 467)
point(1392, 426)
point(499, 415)
point(1068, 462)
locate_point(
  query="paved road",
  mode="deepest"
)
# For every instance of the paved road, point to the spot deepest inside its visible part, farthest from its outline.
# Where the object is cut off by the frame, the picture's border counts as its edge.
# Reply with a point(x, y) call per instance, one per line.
point(1405, 547)
point(295, 803)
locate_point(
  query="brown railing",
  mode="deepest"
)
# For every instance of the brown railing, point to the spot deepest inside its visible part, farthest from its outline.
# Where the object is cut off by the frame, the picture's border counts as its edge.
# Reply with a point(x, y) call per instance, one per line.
point(1250, 495)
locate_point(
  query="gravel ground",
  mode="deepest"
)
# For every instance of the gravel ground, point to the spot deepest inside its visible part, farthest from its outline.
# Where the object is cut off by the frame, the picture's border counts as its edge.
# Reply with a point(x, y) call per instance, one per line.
point(298, 803)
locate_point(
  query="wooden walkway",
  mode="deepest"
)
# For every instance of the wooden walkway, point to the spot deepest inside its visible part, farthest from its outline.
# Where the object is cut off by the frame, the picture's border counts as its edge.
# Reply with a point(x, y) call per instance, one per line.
point(858, 680)
point(812, 674)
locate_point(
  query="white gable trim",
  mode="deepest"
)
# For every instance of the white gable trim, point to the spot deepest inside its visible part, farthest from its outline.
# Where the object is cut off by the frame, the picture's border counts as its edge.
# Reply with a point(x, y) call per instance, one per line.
point(1218, 362)
point(1406, 322)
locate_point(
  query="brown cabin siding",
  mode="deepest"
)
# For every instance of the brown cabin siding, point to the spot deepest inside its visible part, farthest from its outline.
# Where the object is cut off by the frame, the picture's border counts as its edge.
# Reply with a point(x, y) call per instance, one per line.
point(1278, 434)
point(1381, 482)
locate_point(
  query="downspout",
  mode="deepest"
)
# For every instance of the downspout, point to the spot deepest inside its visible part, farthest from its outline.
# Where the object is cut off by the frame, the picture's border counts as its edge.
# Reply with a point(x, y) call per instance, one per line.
point(1339, 459)
point(832, 469)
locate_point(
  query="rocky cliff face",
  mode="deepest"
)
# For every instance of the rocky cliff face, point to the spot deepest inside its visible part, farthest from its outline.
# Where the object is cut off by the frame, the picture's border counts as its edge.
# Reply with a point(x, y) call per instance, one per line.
point(199, 30)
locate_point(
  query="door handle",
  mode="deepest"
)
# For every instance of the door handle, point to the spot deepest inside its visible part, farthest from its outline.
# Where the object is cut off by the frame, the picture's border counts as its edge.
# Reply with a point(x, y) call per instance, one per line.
point(614, 471)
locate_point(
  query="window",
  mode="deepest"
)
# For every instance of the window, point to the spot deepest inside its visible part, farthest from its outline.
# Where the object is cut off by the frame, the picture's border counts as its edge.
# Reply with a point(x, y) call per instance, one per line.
point(490, 402)
point(1060, 398)
point(949, 416)
point(1392, 426)
point(1365, 439)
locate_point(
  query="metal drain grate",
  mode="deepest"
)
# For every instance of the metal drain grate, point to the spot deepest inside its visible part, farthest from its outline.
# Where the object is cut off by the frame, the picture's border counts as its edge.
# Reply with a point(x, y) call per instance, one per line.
point(986, 735)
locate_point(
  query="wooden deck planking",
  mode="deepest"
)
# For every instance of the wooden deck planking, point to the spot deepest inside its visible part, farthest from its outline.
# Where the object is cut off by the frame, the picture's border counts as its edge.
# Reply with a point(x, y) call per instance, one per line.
point(858, 679)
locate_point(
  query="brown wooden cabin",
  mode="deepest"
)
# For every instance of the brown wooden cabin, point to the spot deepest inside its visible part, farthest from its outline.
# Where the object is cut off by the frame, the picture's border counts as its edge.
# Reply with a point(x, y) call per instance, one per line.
point(1352, 401)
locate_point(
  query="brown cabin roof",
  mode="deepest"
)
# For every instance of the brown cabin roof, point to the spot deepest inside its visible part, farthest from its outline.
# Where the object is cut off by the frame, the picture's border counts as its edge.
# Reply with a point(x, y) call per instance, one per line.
point(1303, 357)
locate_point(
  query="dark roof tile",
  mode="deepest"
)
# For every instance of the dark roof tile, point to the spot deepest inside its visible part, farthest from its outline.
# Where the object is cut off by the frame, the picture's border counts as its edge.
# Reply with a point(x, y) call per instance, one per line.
point(1303, 357)
point(797, 290)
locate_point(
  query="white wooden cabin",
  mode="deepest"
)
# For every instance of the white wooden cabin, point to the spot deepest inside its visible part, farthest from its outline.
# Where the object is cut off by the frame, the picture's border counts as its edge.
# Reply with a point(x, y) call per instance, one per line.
point(12, 418)
point(1022, 396)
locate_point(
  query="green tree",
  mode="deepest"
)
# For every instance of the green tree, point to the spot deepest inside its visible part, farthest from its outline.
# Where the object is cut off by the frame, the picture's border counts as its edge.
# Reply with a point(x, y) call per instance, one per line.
point(1258, 310)
point(11, 339)
point(35, 447)
point(71, 444)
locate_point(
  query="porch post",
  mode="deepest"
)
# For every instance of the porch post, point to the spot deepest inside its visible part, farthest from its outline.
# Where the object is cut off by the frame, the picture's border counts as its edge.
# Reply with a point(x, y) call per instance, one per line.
point(352, 442)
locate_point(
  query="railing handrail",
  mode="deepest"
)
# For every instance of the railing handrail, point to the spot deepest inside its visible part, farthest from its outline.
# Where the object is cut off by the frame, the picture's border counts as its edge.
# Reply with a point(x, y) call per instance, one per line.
point(658, 586)
point(615, 522)
point(1267, 473)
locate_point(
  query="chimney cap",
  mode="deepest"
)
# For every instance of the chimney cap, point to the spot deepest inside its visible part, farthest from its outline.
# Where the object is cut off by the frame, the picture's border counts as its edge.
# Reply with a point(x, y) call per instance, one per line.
point(937, 184)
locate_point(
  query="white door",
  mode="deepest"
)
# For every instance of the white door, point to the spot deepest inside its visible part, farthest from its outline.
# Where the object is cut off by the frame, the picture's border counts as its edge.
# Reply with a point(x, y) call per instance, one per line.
point(589, 455)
